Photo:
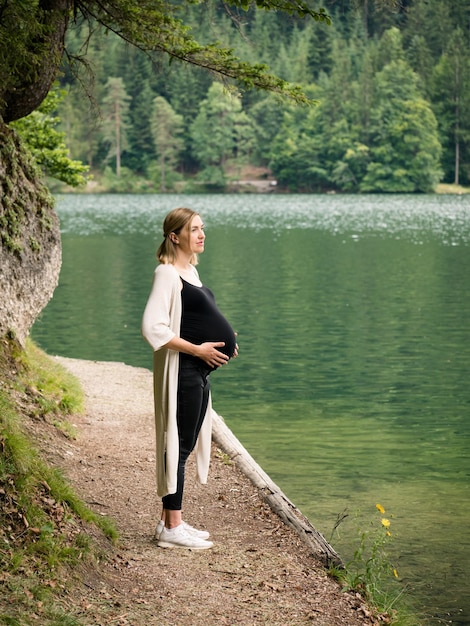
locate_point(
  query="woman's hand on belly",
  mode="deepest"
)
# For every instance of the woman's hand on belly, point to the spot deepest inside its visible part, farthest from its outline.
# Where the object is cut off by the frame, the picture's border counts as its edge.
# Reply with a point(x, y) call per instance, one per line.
point(208, 352)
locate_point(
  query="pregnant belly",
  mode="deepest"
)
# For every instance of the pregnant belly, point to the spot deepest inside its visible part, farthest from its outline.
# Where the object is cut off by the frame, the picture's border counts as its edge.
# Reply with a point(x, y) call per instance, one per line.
point(215, 328)
point(224, 332)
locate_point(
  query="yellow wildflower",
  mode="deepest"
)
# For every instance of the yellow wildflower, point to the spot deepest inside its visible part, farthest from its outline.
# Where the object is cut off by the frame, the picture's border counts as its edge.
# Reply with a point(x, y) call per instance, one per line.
point(395, 573)
point(388, 533)
point(385, 522)
point(380, 508)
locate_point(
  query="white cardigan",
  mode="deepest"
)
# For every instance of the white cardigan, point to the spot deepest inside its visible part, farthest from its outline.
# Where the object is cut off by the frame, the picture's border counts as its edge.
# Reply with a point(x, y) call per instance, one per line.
point(160, 323)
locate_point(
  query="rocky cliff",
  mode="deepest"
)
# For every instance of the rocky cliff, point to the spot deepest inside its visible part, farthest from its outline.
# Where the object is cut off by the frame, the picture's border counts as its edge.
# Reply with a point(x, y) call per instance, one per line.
point(30, 247)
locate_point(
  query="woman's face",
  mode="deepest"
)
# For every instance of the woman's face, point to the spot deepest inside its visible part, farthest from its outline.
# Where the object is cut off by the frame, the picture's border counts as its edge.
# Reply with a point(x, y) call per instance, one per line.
point(192, 239)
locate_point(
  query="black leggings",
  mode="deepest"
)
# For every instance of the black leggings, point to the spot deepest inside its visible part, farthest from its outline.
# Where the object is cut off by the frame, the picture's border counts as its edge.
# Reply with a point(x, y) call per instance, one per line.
point(193, 396)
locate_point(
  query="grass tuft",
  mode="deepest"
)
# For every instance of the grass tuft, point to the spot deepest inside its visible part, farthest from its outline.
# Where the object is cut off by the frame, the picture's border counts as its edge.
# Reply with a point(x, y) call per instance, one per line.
point(46, 530)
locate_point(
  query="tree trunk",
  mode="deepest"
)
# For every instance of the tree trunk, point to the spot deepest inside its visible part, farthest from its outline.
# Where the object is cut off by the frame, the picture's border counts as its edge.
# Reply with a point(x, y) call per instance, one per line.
point(36, 72)
point(457, 140)
point(162, 170)
point(117, 123)
point(279, 503)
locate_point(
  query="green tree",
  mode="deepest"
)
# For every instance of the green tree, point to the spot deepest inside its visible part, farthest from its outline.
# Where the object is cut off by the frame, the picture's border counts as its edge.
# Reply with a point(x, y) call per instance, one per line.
point(136, 71)
point(47, 144)
point(320, 47)
point(264, 34)
point(404, 148)
point(80, 123)
point(267, 115)
point(313, 157)
point(244, 139)
point(115, 110)
point(390, 48)
point(451, 95)
point(297, 157)
point(419, 58)
point(434, 21)
point(222, 134)
point(186, 88)
point(141, 149)
point(166, 127)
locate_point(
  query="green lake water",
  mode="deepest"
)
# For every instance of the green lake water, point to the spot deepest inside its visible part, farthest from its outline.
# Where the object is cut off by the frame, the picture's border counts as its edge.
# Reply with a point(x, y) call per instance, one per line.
point(352, 383)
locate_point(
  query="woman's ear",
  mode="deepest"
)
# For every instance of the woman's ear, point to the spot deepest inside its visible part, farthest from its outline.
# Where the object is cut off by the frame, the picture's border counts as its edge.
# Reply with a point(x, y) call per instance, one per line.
point(173, 238)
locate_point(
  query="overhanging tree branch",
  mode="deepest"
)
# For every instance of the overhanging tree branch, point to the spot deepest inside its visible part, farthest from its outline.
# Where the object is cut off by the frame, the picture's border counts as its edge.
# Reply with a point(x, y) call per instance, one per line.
point(32, 34)
point(155, 27)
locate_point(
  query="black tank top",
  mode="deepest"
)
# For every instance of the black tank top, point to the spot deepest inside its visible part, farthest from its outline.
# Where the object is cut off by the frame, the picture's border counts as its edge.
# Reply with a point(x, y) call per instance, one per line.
point(202, 321)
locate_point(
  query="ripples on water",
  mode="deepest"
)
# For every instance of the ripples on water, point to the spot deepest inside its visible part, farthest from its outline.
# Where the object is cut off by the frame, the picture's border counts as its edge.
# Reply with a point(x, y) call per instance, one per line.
point(445, 217)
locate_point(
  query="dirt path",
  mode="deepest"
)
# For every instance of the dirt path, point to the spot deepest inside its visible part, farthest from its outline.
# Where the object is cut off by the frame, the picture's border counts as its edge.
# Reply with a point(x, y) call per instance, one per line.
point(259, 571)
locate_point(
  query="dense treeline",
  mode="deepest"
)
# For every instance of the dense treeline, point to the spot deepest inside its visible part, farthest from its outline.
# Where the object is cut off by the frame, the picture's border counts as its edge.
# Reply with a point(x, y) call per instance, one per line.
point(392, 88)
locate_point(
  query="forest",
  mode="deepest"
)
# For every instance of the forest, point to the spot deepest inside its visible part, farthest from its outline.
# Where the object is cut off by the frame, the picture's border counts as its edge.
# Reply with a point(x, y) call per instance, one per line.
point(390, 111)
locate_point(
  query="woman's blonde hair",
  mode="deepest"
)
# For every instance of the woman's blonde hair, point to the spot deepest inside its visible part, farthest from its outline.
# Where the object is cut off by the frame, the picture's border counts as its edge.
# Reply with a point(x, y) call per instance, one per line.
point(176, 221)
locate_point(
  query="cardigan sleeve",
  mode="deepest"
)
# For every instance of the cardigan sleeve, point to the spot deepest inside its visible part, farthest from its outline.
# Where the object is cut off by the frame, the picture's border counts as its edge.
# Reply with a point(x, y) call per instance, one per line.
point(156, 321)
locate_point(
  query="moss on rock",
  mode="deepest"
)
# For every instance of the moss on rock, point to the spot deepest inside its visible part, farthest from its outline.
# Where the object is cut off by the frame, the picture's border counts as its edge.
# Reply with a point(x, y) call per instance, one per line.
point(30, 248)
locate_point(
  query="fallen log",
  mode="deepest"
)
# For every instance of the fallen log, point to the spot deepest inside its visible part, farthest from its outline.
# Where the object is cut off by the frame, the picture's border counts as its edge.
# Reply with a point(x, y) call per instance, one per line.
point(271, 493)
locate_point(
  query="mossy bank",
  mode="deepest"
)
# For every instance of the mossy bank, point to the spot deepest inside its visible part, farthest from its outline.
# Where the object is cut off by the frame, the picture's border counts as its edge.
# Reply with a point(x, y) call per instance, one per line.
point(47, 534)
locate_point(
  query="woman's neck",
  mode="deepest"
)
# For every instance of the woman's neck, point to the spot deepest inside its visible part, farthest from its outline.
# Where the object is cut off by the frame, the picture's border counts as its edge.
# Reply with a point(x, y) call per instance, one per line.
point(186, 270)
point(183, 266)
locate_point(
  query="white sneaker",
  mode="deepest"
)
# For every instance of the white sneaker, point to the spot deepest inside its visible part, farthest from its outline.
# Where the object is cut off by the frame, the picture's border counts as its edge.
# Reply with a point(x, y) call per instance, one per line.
point(200, 534)
point(179, 538)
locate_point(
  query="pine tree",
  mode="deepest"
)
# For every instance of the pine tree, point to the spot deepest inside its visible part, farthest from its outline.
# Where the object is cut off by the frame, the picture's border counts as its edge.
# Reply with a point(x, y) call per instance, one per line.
point(136, 72)
point(222, 134)
point(115, 119)
point(404, 146)
point(451, 95)
point(166, 128)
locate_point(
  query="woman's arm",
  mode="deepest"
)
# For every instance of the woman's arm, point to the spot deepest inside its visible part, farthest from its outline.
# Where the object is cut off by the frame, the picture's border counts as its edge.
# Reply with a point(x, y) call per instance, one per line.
point(206, 351)
point(156, 320)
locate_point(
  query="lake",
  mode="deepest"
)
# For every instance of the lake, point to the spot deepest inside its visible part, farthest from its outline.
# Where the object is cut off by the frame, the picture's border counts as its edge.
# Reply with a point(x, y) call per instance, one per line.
point(352, 383)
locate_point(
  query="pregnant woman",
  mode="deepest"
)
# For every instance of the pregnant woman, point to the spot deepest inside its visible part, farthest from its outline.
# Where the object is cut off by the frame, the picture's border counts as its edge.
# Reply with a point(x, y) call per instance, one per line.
point(190, 338)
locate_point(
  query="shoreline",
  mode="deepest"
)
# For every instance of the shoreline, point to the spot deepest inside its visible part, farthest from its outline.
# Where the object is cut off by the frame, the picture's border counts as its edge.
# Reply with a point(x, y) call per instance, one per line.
point(260, 569)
